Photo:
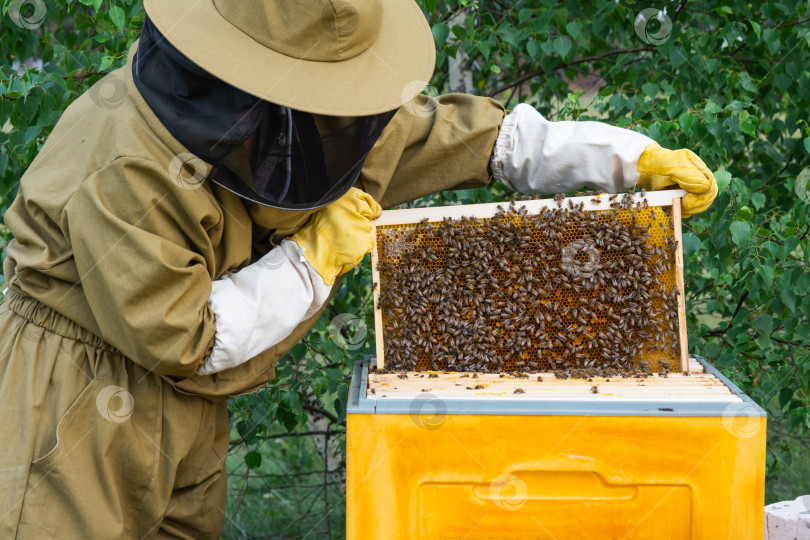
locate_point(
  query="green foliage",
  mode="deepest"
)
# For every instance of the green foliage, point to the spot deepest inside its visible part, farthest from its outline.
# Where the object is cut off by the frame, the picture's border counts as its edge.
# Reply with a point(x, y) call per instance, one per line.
point(726, 79)
point(77, 42)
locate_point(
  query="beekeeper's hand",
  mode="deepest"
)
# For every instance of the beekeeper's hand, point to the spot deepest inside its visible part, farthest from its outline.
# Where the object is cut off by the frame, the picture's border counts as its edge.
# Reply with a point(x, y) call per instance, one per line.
point(660, 168)
point(534, 155)
point(339, 235)
point(260, 305)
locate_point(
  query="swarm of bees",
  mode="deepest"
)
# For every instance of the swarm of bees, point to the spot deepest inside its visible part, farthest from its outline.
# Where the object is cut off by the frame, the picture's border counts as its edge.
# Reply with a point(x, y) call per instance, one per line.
point(566, 290)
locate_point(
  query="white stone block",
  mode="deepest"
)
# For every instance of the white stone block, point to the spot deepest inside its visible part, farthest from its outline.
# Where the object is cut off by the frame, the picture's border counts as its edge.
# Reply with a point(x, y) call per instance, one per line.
point(788, 520)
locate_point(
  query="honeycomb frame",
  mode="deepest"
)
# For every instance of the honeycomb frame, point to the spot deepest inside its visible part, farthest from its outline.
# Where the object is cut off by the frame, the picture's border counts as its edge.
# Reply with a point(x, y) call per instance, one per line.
point(602, 205)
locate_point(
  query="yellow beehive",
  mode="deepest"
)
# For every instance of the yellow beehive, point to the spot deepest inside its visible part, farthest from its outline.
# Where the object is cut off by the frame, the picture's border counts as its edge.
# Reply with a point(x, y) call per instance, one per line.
point(677, 458)
point(512, 454)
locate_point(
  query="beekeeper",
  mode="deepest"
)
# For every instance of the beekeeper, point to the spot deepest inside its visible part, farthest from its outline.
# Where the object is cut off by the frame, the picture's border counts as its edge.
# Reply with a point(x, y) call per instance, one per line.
point(189, 217)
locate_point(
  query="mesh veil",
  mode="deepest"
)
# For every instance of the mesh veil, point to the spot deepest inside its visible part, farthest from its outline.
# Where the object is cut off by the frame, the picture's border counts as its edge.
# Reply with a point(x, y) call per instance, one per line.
point(263, 152)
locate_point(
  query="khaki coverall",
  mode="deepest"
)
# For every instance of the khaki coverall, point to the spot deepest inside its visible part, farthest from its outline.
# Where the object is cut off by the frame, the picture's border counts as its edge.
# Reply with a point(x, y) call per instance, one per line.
point(105, 430)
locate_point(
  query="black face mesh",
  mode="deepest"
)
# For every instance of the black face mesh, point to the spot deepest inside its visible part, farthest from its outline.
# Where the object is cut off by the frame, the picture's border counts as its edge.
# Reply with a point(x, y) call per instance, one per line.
point(268, 154)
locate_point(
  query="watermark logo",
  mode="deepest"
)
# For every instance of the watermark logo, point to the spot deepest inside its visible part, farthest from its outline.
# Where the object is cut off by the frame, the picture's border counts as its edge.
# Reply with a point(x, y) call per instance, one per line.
point(110, 92)
point(508, 492)
point(653, 26)
point(340, 16)
point(802, 185)
point(187, 171)
point(420, 105)
point(349, 331)
point(28, 14)
point(428, 411)
point(741, 420)
point(570, 262)
point(115, 403)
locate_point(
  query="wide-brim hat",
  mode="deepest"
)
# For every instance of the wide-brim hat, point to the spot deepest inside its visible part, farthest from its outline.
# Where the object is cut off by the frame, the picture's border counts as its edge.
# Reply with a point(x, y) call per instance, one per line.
point(333, 57)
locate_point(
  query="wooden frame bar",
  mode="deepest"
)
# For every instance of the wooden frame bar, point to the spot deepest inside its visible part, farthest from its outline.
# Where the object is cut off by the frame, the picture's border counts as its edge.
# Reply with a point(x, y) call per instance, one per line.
point(679, 282)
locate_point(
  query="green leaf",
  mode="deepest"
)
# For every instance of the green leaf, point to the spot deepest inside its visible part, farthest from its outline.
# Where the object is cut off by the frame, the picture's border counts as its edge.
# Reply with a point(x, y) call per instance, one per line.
point(749, 126)
point(253, 459)
point(28, 107)
point(772, 41)
point(574, 29)
point(758, 200)
point(341, 401)
point(106, 62)
point(756, 27)
point(691, 243)
point(510, 36)
point(791, 243)
point(740, 233)
point(32, 133)
point(723, 179)
point(459, 32)
point(117, 16)
point(561, 45)
point(745, 213)
point(650, 89)
point(291, 399)
point(485, 48)
point(248, 431)
point(674, 108)
point(764, 322)
point(524, 14)
point(607, 91)
point(807, 144)
point(533, 48)
point(686, 121)
point(440, 33)
point(677, 56)
point(782, 81)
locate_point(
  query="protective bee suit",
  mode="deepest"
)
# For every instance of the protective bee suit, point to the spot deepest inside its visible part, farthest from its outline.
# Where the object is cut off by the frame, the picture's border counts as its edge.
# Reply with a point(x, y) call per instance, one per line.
point(172, 245)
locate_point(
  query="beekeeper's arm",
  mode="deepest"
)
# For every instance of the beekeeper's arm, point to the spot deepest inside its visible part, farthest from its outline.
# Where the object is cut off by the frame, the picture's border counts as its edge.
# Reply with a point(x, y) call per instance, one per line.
point(152, 293)
point(434, 144)
point(264, 302)
point(533, 155)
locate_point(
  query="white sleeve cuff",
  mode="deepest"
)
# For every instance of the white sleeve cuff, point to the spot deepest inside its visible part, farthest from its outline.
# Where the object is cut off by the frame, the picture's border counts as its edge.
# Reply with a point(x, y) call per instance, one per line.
point(259, 306)
point(533, 155)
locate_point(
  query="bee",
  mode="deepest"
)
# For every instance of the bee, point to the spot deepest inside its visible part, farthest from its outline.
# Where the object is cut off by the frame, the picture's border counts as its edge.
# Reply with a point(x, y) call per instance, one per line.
point(519, 391)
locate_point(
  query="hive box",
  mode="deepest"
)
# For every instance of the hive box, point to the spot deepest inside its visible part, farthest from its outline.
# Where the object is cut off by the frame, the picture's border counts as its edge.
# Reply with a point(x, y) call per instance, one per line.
point(437, 457)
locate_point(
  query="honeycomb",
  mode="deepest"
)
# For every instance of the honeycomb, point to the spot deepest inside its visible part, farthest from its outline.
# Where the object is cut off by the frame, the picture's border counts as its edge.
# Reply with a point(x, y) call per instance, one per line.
point(561, 289)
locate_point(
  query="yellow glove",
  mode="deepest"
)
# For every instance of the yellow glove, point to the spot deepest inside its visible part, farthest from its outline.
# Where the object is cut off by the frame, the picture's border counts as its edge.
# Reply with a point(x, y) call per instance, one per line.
point(661, 168)
point(338, 235)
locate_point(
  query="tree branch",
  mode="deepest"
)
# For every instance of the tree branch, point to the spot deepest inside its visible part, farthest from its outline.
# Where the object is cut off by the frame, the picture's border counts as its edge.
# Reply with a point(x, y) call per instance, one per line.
point(595, 58)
